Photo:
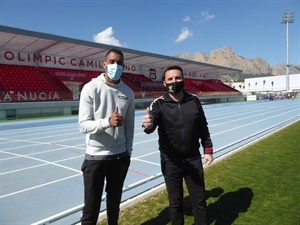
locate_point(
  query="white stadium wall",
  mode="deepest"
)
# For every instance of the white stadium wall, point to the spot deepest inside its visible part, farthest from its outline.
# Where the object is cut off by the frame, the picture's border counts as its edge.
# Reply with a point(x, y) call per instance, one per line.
point(279, 83)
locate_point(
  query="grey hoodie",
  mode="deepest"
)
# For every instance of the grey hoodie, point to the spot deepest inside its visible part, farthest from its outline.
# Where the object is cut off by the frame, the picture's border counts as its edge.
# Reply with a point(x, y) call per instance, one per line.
point(98, 100)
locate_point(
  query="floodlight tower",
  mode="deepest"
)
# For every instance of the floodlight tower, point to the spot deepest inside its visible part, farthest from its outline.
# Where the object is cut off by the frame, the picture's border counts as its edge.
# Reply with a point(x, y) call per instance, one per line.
point(287, 17)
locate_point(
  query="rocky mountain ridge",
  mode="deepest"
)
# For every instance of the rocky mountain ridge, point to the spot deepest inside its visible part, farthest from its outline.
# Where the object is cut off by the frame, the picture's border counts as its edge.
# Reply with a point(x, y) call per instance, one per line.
point(228, 58)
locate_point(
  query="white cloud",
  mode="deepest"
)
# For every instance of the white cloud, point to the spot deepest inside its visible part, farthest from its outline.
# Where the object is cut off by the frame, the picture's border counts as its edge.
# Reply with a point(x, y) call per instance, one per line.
point(186, 19)
point(106, 37)
point(206, 16)
point(185, 33)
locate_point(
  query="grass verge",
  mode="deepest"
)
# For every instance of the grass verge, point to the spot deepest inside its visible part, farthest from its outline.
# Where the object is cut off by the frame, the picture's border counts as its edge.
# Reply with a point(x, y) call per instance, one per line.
point(258, 185)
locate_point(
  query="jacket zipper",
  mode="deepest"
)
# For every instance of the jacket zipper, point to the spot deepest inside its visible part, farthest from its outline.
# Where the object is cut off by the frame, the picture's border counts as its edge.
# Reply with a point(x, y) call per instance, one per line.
point(182, 131)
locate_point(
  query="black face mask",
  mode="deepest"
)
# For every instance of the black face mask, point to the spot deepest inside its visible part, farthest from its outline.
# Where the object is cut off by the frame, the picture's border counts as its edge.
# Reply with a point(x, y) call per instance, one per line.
point(175, 87)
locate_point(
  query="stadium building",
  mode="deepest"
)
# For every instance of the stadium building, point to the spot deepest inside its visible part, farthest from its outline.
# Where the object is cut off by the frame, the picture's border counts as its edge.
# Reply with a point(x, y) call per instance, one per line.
point(48, 72)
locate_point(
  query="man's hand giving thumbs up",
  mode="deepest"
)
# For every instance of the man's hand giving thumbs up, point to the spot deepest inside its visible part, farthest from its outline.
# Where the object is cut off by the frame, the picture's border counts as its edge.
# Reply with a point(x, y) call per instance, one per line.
point(147, 121)
point(116, 119)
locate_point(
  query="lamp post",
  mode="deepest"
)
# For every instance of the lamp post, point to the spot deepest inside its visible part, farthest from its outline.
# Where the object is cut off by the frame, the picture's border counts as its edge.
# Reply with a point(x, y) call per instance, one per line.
point(287, 17)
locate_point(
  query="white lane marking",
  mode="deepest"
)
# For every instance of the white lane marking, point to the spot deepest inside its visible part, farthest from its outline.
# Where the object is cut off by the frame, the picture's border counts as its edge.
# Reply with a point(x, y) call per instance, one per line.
point(38, 186)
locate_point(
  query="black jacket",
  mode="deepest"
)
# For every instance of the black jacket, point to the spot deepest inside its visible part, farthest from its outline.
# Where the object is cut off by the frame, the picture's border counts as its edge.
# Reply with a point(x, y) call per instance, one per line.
point(180, 125)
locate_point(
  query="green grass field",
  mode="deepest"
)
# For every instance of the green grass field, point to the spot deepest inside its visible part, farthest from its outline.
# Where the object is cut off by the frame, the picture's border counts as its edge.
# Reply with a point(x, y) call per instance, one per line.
point(259, 185)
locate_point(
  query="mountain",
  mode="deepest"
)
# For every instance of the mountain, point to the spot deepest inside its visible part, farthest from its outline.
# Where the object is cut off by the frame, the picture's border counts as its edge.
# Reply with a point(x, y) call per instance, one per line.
point(250, 67)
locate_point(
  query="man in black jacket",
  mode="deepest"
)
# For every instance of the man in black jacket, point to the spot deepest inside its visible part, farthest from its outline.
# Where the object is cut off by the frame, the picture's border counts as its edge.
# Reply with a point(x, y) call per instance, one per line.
point(181, 122)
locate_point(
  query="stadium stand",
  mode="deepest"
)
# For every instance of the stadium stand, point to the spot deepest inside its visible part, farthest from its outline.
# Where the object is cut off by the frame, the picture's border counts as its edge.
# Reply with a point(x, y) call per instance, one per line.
point(212, 85)
point(24, 83)
point(29, 82)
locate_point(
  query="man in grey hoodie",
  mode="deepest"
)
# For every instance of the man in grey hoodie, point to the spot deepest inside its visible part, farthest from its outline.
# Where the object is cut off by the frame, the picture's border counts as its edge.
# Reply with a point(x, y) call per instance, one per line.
point(106, 116)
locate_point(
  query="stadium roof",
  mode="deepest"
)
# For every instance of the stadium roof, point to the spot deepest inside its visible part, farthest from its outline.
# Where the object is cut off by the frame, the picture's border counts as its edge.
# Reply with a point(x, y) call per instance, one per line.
point(20, 40)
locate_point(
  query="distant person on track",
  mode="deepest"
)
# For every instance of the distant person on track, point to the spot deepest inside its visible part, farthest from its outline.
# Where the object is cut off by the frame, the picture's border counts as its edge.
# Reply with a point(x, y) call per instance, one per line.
point(181, 122)
point(106, 116)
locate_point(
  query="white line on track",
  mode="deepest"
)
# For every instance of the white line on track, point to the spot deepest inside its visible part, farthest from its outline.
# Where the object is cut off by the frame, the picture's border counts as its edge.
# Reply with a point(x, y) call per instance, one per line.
point(142, 142)
point(46, 137)
point(40, 165)
point(237, 127)
point(34, 129)
point(41, 143)
point(37, 153)
point(44, 161)
point(145, 161)
point(38, 186)
point(257, 112)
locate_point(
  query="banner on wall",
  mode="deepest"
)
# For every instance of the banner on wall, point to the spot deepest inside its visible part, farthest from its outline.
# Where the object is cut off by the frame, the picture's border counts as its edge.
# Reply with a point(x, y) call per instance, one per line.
point(63, 62)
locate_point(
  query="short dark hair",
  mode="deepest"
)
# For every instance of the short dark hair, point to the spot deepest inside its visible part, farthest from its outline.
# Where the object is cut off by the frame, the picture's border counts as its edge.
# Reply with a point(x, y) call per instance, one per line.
point(115, 50)
point(174, 67)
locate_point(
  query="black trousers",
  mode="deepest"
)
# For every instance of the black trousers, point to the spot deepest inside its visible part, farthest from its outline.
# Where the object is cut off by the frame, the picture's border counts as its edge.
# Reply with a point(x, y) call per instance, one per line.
point(94, 174)
point(174, 171)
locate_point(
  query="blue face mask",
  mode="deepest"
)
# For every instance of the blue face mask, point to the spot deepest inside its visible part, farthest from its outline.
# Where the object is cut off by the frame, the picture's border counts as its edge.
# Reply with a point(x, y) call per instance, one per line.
point(114, 71)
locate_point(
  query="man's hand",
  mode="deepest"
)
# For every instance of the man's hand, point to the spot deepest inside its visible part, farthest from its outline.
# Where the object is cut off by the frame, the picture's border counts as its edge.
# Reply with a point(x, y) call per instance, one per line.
point(208, 158)
point(147, 121)
point(116, 119)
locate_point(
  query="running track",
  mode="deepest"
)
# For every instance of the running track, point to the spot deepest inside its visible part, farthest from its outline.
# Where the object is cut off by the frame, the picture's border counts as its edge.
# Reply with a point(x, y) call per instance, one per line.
point(40, 160)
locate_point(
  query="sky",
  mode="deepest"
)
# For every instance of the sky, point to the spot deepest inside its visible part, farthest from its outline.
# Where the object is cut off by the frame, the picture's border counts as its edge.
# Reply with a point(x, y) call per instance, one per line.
point(251, 28)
